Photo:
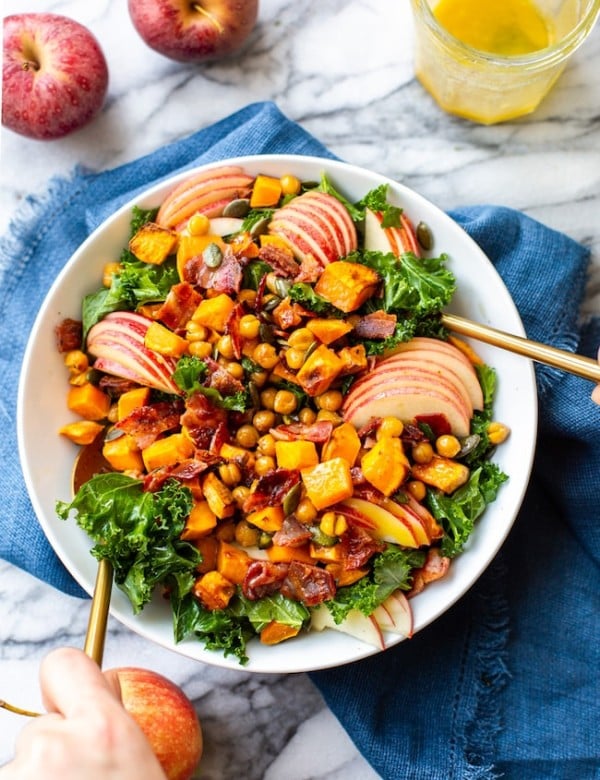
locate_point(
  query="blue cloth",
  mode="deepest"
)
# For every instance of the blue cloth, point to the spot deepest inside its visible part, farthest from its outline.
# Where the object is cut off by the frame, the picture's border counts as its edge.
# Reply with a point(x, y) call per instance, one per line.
point(505, 683)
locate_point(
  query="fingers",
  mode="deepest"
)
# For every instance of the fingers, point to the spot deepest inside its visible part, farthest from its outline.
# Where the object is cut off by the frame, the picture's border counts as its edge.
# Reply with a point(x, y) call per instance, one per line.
point(70, 681)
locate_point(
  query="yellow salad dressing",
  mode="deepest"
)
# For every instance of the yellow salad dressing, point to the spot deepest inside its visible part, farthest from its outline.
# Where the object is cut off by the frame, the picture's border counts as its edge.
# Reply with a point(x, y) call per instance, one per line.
point(505, 27)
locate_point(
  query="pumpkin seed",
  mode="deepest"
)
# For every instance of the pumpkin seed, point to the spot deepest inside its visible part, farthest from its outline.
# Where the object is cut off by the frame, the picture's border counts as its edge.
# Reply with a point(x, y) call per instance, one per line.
point(265, 333)
point(292, 499)
point(424, 236)
point(254, 394)
point(272, 303)
point(468, 444)
point(237, 208)
point(259, 227)
point(212, 256)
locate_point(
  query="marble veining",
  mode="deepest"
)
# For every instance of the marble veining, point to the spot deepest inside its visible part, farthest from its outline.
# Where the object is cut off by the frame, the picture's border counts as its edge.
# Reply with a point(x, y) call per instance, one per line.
point(344, 71)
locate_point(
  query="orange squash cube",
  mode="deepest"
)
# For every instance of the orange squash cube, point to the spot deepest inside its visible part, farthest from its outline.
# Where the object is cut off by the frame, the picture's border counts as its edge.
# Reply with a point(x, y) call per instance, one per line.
point(328, 482)
point(214, 590)
point(347, 285)
point(275, 632)
point(269, 518)
point(232, 562)
point(385, 465)
point(200, 522)
point(296, 454)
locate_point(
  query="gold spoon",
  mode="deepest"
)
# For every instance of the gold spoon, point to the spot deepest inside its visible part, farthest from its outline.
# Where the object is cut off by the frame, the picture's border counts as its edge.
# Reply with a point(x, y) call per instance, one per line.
point(90, 461)
point(581, 366)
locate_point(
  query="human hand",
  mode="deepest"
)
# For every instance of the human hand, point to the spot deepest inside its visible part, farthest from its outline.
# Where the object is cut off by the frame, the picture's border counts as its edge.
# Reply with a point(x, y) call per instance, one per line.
point(87, 733)
point(596, 390)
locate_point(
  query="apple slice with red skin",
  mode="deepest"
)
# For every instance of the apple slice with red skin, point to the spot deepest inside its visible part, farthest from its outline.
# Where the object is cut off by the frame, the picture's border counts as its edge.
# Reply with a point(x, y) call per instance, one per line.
point(404, 367)
point(355, 624)
point(378, 521)
point(395, 615)
point(205, 193)
point(396, 240)
point(404, 513)
point(432, 528)
point(316, 224)
point(406, 398)
point(117, 343)
point(447, 355)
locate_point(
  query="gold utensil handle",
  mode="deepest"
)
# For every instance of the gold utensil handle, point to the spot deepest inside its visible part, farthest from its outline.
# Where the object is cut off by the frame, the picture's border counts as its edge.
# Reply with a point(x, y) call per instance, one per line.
point(98, 619)
point(542, 353)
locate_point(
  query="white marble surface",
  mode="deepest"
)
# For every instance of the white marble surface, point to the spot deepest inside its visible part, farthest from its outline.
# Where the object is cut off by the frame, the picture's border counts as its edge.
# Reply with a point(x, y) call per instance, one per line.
point(343, 70)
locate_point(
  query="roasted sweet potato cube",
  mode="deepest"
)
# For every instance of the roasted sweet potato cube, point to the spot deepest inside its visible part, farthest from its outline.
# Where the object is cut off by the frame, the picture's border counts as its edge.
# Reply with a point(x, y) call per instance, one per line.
point(319, 370)
point(443, 473)
point(214, 590)
point(385, 465)
point(275, 632)
point(168, 451)
point(232, 562)
point(343, 443)
point(328, 330)
point(269, 518)
point(347, 285)
point(153, 243)
point(354, 359)
point(218, 496)
point(296, 454)
point(200, 522)
point(328, 482)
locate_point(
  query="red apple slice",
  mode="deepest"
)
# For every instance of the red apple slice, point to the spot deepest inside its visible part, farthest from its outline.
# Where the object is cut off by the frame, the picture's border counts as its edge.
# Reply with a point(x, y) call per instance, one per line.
point(206, 193)
point(316, 224)
point(381, 524)
point(396, 240)
point(448, 355)
point(412, 520)
point(395, 615)
point(355, 624)
point(117, 343)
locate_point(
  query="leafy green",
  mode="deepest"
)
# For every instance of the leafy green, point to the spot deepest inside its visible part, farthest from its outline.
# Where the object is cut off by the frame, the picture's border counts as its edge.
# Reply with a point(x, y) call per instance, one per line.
point(189, 374)
point(325, 185)
point(276, 607)
point(376, 200)
point(421, 285)
point(253, 273)
point(303, 293)
point(458, 512)
point(139, 218)
point(255, 216)
point(137, 531)
point(392, 569)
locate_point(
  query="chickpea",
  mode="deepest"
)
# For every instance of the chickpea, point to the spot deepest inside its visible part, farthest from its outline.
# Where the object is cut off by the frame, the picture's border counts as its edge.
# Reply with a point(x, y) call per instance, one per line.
point(290, 184)
point(195, 332)
point(76, 361)
point(301, 338)
point(325, 414)
point(249, 326)
point(230, 474)
point(235, 369)
point(390, 426)
point(417, 489)
point(259, 377)
point(246, 535)
point(305, 511)
point(225, 531)
point(225, 347)
point(294, 357)
point(267, 397)
point(240, 494)
point(263, 420)
point(447, 445)
point(264, 464)
point(265, 355)
point(307, 415)
point(330, 400)
point(497, 432)
point(198, 225)
point(247, 436)
point(200, 349)
point(285, 402)
point(422, 452)
point(247, 296)
point(266, 445)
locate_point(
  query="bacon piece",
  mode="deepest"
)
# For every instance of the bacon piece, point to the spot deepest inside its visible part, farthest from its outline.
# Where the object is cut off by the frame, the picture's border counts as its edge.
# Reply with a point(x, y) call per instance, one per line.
point(293, 533)
point(376, 325)
point(221, 379)
point(318, 432)
point(202, 420)
point(310, 270)
point(271, 489)
point(180, 304)
point(232, 327)
point(435, 567)
point(146, 423)
point(115, 385)
point(282, 263)
point(307, 583)
point(227, 278)
point(369, 428)
point(263, 578)
point(68, 335)
point(359, 546)
point(287, 314)
point(183, 472)
point(411, 434)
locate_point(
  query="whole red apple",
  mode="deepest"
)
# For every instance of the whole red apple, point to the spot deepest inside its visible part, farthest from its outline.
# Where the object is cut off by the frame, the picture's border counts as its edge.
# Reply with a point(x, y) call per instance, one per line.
point(54, 75)
point(167, 718)
point(193, 31)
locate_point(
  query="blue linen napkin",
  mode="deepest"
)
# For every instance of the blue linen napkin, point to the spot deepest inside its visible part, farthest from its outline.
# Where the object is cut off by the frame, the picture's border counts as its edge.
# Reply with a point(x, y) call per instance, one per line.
point(505, 683)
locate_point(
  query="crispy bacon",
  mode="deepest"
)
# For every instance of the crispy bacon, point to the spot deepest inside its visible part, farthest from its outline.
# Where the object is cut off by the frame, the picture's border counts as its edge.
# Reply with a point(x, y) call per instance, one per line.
point(68, 335)
point(221, 379)
point(359, 546)
point(376, 325)
point(310, 270)
point(115, 386)
point(203, 421)
point(227, 278)
point(180, 304)
point(411, 434)
point(271, 489)
point(263, 578)
point(307, 583)
point(183, 472)
point(232, 327)
point(292, 533)
point(282, 263)
point(318, 432)
point(146, 423)
point(435, 567)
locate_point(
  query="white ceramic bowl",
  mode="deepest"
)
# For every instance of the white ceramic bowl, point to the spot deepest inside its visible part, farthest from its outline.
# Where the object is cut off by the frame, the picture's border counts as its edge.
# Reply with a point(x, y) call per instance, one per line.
point(481, 296)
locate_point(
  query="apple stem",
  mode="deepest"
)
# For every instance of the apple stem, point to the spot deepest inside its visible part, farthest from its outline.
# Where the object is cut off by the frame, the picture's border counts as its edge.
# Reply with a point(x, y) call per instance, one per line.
point(30, 65)
point(209, 16)
point(18, 710)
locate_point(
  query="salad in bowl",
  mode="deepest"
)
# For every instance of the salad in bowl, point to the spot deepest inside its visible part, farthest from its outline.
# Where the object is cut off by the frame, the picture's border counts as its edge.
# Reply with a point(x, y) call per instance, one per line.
point(295, 451)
